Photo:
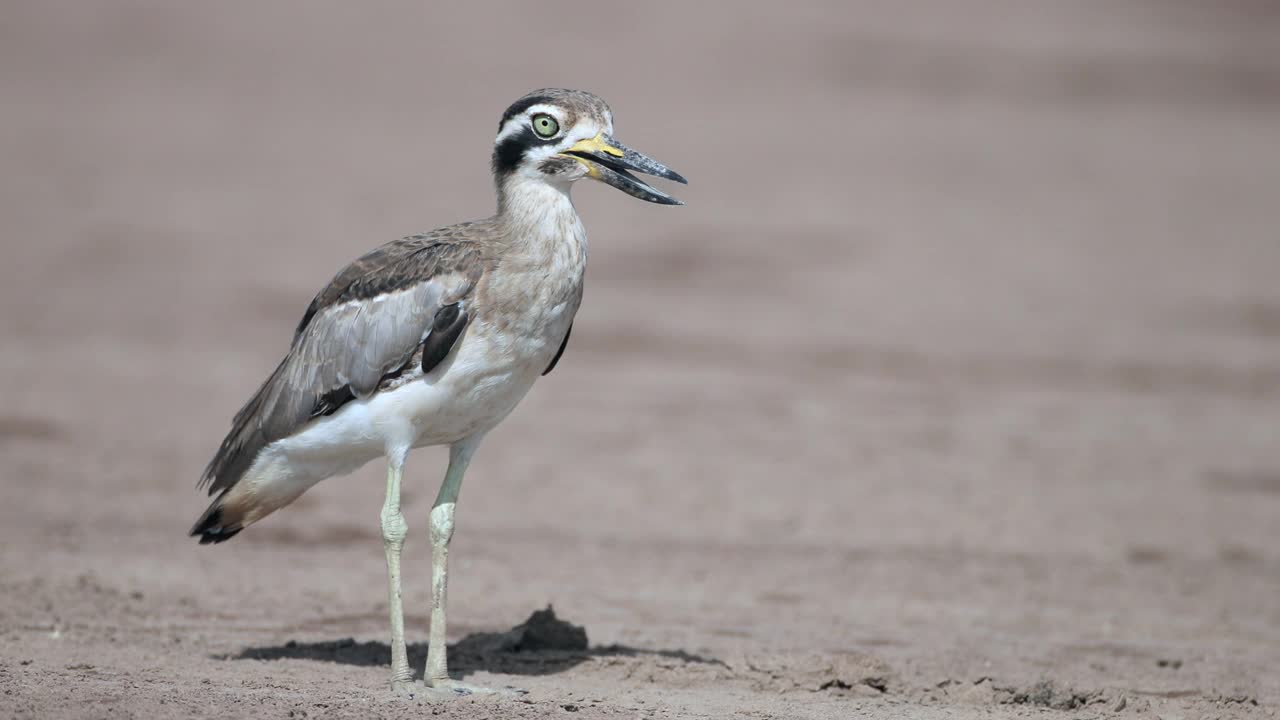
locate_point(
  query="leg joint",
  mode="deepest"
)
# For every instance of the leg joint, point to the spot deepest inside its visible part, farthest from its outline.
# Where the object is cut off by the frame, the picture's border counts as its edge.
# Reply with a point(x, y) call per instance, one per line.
point(442, 524)
point(394, 528)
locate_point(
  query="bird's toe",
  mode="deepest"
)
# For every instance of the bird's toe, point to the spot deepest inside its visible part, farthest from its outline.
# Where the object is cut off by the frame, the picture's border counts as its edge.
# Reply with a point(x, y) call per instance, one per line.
point(449, 689)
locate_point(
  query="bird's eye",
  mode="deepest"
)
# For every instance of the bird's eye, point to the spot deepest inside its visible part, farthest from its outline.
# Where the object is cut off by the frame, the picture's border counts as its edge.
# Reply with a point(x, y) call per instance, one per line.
point(545, 125)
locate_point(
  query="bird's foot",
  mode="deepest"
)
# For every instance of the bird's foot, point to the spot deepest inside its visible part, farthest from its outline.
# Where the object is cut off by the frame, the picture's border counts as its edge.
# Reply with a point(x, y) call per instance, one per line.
point(448, 689)
point(407, 688)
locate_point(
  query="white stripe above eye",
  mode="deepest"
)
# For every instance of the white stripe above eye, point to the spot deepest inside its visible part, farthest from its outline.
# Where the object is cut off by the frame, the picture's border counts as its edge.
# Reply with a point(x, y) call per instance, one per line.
point(513, 125)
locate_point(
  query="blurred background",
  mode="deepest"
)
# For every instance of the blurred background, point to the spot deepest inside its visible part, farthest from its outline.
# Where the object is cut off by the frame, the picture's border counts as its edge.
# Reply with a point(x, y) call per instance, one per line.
point(964, 355)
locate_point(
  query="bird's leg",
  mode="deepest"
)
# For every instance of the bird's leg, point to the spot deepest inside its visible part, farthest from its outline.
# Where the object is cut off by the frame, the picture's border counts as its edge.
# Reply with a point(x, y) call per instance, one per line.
point(437, 671)
point(394, 530)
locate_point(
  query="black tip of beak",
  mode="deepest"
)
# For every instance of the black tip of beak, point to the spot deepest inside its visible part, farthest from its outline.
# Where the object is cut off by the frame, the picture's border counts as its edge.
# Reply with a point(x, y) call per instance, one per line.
point(632, 160)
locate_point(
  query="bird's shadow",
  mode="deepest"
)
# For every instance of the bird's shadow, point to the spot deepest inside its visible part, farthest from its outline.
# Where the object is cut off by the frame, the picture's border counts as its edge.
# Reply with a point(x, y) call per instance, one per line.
point(542, 645)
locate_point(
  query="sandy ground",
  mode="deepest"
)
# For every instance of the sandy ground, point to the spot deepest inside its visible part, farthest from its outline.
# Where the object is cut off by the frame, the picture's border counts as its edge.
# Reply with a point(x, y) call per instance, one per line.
point(953, 392)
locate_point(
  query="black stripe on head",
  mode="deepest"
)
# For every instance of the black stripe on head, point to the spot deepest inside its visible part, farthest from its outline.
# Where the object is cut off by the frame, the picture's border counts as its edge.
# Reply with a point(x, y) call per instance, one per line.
point(523, 104)
point(508, 153)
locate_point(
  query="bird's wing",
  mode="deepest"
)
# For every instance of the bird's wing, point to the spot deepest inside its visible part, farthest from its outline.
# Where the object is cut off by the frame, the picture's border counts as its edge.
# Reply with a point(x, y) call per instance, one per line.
point(366, 324)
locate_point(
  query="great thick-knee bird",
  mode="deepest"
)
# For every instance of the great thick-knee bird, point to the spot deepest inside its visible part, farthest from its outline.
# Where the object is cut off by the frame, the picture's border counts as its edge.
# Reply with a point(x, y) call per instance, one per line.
point(431, 340)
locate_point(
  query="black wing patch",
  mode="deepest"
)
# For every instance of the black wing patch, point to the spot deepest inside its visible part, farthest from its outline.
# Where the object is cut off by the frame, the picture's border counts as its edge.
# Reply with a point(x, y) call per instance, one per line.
point(563, 344)
point(332, 400)
point(448, 325)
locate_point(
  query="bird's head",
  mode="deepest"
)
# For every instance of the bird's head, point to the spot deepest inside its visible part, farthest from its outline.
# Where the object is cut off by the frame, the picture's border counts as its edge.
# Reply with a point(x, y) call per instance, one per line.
point(557, 137)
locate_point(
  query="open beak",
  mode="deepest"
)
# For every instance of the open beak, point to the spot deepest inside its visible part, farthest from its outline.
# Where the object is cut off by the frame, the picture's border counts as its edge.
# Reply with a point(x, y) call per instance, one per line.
point(608, 161)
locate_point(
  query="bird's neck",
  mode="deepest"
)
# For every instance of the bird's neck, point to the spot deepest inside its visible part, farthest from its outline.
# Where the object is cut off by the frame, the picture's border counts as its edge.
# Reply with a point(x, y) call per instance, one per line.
point(539, 216)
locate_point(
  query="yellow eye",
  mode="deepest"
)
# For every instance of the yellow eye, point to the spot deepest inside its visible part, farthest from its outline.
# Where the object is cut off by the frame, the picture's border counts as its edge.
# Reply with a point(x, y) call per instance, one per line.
point(545, 125)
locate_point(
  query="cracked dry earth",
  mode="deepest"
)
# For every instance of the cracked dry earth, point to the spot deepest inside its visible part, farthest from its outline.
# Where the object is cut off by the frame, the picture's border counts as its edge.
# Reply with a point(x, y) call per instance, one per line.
point(954, 391)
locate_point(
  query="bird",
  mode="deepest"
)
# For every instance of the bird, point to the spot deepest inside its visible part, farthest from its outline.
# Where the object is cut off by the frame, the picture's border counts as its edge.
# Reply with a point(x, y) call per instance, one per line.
point(429, 340)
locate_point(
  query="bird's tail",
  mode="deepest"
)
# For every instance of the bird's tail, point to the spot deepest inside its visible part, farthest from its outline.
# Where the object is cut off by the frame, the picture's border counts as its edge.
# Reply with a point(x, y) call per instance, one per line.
point(270, 484)
point(217, 524)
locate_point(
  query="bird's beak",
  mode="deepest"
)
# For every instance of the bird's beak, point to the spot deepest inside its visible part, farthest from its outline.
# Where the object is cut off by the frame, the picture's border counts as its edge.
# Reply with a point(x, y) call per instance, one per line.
point(608, 161)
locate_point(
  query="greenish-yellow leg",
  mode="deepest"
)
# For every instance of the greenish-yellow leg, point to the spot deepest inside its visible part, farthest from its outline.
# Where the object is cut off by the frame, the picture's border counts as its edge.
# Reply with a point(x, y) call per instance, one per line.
point(437, 671)
point(394, 531)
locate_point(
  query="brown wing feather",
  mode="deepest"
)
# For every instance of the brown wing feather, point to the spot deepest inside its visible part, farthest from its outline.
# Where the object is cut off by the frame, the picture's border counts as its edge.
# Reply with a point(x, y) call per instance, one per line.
point(366, 323)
